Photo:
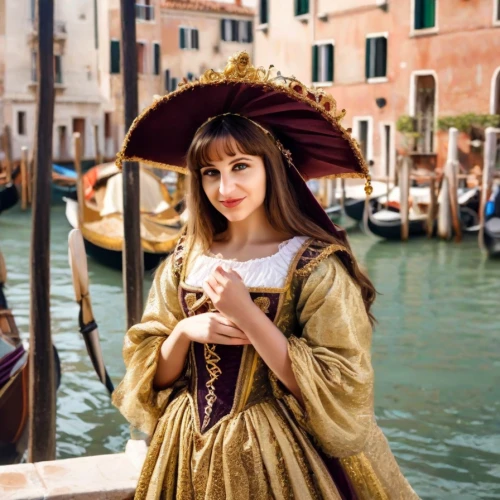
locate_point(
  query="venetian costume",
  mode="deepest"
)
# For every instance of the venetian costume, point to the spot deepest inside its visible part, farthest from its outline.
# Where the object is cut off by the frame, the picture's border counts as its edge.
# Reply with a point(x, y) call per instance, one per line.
point(228, 428)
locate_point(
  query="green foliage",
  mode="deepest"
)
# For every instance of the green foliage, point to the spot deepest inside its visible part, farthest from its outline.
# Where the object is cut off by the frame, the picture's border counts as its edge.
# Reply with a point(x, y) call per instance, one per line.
point(406, 124)
point(465, 122)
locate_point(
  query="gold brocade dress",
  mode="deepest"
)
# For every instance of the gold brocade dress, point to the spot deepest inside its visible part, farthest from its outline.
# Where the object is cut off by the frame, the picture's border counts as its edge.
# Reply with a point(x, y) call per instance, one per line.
point(228, 429)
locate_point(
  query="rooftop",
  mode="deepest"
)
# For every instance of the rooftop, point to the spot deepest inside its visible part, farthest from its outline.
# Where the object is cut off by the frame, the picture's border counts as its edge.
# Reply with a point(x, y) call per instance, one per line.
point(209, 6)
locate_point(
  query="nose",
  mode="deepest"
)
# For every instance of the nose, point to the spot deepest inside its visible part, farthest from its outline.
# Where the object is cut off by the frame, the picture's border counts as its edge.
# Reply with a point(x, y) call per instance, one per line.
point(226, 186)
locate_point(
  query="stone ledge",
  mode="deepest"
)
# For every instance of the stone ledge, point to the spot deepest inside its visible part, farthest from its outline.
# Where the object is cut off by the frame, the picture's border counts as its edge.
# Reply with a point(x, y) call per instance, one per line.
point(102, 477)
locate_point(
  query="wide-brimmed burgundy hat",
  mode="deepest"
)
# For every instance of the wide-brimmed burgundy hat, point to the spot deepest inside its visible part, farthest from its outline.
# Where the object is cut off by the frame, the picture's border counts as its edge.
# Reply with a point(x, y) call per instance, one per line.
point(304, 122)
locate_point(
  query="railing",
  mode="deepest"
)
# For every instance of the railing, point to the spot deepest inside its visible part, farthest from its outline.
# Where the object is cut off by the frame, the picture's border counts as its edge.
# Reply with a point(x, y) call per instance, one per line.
point(59, 28)
point(144, 12)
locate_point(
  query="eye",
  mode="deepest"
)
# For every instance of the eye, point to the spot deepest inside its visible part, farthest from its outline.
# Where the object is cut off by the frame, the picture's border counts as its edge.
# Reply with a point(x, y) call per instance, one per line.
point(240, 166)
point(210, 172)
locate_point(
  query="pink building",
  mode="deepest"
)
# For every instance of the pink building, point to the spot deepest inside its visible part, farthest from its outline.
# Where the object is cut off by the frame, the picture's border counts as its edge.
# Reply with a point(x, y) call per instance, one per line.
point(382, 60)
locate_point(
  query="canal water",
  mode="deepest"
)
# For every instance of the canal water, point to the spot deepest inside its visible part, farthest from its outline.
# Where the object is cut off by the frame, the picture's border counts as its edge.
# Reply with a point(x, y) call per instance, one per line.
point(435, 351)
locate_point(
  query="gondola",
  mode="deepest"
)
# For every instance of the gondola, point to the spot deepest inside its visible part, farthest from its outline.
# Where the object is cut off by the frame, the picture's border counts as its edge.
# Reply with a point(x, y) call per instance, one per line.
point(386, 222)
point(491, 230)
point(354, 203)
point(102, 217)
point(9, 196)
point(63, 184)
point(14, 384)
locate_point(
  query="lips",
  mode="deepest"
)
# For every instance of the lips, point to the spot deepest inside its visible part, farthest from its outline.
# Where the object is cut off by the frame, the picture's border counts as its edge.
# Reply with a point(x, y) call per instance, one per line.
point(232, 203)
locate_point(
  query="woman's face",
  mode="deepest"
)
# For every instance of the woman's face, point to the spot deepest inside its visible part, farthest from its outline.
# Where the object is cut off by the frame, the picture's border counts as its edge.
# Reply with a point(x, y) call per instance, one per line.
point(235, 185)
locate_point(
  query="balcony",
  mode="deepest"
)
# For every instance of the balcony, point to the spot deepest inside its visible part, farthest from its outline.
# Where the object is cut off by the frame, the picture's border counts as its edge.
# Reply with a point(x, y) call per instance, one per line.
point(60, 32)
point(144, 12)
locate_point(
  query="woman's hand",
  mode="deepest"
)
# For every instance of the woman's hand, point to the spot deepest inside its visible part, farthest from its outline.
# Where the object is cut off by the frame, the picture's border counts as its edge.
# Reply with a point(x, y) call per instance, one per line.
point(229, 295)
point(212, 328)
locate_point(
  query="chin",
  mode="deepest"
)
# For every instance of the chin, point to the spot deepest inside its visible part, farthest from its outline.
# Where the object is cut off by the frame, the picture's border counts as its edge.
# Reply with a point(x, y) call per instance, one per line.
point(234, 217)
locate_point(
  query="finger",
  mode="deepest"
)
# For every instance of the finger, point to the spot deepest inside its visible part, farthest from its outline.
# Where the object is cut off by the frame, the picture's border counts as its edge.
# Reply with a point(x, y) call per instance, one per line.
point(222, 339)
point(235, 273)
point(223, 320)
point(216, 287)
point(209, 291)
point(229, 331)
point(220, 276)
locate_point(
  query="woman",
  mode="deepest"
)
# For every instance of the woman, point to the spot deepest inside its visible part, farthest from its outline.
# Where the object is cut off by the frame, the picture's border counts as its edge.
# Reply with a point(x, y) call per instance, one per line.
point(251, 366)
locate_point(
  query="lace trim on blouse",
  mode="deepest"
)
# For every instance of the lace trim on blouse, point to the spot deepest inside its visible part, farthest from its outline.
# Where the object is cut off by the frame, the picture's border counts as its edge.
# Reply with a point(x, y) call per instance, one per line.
point(268, 272)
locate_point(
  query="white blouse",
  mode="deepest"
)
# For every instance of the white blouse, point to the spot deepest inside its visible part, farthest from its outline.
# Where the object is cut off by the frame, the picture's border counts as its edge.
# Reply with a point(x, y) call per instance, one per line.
point(268, 272)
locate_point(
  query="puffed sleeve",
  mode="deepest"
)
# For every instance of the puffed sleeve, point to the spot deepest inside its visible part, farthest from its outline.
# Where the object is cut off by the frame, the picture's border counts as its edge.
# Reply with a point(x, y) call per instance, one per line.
point(136, 398)
point(331, 361)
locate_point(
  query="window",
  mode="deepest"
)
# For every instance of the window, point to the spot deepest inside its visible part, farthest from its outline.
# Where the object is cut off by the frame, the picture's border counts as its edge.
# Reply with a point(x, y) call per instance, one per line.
point(156, 58)
point(58, 69)
point(170, 82)
point(63, 142)
point(34, 66)
point(145, 11)
point(301, 7)
point(323, 62)
point(107, 125)
point(21, 123)
point(497, 11)
point(246, 31)
point(263, 11)
point(363, 134)
point(425, 14)
point(115, 56)
point(232, 30)
point(188, 38)
point(141, 57)
point(79, 126)
point(376, 56)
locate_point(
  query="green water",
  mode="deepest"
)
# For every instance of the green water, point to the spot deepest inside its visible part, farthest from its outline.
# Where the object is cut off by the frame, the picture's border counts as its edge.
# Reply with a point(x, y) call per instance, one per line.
point(435, 351)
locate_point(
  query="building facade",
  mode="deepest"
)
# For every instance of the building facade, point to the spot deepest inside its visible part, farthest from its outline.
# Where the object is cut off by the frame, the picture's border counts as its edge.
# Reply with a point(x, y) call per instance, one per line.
point(386, 61)
point(176, 40)
point(77, 93)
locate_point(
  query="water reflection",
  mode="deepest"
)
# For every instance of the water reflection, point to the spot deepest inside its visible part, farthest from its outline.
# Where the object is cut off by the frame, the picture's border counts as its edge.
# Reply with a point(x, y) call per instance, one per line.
point(435, 353)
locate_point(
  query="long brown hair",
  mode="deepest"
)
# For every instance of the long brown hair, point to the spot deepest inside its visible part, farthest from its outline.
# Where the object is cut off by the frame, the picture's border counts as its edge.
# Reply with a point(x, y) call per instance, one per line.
point(205, 222)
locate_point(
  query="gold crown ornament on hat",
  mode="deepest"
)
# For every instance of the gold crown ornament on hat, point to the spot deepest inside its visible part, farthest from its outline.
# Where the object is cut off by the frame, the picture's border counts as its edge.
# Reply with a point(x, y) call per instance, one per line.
point(304, 122)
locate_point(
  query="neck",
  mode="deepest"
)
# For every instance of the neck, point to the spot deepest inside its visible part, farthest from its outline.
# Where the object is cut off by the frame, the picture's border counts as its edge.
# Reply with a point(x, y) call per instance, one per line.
point(255, 229)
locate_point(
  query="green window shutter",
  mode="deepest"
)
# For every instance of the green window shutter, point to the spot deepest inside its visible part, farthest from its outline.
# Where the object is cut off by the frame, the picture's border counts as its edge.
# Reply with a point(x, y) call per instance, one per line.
point(263, 12)
point(115, 56)
point(315, 52)
point(58, 69)
point(250, 31)
point(380, 56)
point(430, 14)
point(156, 59)
point(222, 31)
point(194, 39)
point(182, 38)
point(368, 58)
point(167, 80)
point(301, 7)
point(425, 14)
point(330, 51)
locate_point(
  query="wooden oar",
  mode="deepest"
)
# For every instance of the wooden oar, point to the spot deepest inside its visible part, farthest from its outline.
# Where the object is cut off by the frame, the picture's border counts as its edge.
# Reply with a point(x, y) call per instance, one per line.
point(88, 326)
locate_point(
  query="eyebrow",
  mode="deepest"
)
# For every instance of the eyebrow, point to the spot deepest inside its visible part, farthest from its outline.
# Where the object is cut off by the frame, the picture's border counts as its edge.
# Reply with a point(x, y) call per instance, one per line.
point(230, 163)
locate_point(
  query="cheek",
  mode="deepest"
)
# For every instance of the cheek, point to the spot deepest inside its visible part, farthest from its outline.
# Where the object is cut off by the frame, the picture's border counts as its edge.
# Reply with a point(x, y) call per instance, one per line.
point(209, 186)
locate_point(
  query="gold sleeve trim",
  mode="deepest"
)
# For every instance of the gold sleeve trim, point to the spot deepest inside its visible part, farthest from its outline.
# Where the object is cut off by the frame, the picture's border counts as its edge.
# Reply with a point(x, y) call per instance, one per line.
point(329, 250)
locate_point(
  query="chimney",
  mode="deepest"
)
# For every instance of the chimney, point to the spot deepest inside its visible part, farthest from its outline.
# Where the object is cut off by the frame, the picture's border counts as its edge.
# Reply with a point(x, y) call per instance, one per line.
point(237, 3)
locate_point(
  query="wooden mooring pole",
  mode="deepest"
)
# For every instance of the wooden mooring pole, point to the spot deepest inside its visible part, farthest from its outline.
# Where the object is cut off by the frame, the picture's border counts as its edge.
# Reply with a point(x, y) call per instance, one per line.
point(80, 195)
point(133, 271)
point(7, 148)
point(24, 178)
point(42, 393)
point(490, 145)
point(448, 217)
point(404, 186)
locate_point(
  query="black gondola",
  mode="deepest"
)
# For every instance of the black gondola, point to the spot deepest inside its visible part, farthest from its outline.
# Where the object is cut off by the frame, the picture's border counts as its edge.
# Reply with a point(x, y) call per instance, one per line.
point(14, 387)
point(9, 196)
point(491, 230)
